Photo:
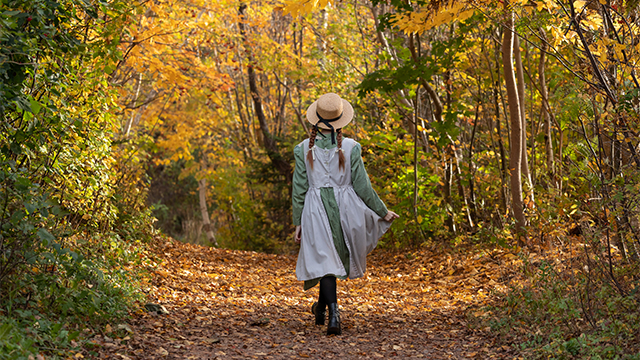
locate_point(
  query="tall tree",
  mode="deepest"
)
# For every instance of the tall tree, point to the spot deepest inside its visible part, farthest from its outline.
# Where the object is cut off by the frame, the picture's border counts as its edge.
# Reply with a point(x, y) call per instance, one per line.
point(270, 144)
point(524, 163)
point(544, 107)
point(515, 144)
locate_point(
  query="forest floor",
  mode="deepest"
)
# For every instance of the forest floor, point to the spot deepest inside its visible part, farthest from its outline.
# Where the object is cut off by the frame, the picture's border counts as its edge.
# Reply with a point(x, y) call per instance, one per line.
point(225, 304)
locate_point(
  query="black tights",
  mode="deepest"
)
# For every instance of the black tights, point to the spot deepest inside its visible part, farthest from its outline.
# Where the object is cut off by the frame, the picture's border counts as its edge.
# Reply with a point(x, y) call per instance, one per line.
point(328, 290)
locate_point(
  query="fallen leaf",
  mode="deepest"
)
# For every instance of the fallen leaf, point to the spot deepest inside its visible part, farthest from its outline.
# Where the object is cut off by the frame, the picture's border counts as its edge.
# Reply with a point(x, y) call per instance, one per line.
point(125, 327)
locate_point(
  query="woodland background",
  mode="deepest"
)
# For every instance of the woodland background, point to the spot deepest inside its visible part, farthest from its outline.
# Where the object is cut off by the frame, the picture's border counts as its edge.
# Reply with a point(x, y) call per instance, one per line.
point(492, 124)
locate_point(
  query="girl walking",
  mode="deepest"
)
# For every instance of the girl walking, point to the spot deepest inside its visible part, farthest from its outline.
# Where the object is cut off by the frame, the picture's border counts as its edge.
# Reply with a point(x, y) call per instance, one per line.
point(338, 216)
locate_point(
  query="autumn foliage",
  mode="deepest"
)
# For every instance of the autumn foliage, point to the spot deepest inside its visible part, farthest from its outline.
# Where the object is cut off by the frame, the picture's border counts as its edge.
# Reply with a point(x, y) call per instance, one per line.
point(505, 134)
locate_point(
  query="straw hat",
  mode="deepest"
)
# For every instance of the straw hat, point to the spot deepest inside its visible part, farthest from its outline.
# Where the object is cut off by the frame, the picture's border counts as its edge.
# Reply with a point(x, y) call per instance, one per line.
point(331, 109)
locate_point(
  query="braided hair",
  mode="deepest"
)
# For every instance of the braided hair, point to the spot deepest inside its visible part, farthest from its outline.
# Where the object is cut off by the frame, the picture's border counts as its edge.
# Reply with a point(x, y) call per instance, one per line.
point(340, 152)
point(312, 141)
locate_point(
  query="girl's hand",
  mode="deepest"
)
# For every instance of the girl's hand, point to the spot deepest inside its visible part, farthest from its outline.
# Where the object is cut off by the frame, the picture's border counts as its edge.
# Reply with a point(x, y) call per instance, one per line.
point(391, 216)
point(297, 236)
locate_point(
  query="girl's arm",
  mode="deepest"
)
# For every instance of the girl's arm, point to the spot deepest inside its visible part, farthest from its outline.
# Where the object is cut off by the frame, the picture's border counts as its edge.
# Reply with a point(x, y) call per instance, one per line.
point(362, 184)
point(300, 184)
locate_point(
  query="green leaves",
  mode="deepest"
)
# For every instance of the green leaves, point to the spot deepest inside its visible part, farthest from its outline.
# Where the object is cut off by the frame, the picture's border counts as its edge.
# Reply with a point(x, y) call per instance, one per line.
point(45, 236)
point(403, 71)
point(390, 81)
point(57, 176)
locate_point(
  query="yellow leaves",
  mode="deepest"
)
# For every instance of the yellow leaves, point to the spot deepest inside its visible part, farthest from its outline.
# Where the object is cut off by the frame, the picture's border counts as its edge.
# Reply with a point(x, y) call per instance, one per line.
point(156, 9)
point(549, 5)
point(413, 22)
point(558, 36)
point(173, 76)
point(304, 7)
point(608, 50)
point(420, 128)
point(618, 50)
point(592, 21)
point(421, 21)
point(579, 4)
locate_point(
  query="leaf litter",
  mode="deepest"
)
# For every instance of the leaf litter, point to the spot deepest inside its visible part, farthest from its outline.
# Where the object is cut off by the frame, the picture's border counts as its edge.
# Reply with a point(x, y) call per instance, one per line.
point(226, 304)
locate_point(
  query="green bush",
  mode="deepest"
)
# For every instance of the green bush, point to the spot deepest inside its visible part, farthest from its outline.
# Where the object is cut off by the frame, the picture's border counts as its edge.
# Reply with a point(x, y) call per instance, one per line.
point(570, 314)
point(64, 296)
point(72, 238)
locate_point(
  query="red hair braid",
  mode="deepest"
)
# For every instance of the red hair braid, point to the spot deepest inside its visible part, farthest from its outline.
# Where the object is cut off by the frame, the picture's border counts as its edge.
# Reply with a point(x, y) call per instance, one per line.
point(340, 154)
point(312, 141)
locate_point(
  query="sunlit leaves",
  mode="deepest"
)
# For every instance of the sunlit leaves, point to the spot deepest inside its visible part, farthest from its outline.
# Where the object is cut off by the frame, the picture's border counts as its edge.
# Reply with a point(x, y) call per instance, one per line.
point(303, 7)
point(421, 21)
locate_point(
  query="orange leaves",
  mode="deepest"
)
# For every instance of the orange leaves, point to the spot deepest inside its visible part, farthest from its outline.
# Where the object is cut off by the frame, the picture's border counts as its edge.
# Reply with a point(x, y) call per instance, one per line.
point(426, 280)
point(303, 7)
point(420, 21)
point(246, 304)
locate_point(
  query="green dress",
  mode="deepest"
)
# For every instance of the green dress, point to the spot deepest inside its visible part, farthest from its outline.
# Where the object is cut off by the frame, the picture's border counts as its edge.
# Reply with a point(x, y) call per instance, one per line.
point(361, 184)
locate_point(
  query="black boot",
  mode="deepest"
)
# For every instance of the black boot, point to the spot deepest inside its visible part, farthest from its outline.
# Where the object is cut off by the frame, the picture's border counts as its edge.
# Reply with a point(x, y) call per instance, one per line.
point(334, 320)
point(318, 309)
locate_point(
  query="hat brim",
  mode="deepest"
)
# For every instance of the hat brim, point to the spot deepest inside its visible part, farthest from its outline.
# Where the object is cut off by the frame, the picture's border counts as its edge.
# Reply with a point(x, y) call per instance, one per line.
point(345, 119)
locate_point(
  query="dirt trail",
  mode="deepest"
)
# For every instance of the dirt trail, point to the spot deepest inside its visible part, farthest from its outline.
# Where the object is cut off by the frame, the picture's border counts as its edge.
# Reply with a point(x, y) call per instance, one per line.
point(226, 304)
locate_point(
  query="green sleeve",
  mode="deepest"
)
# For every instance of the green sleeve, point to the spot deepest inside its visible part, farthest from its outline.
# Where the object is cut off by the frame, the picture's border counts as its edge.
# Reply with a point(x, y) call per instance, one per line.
point(362, 184)
point(300, 185)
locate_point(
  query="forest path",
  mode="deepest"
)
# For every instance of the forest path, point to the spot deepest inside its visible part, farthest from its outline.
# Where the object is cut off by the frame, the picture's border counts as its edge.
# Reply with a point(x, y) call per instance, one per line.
point(225, 304)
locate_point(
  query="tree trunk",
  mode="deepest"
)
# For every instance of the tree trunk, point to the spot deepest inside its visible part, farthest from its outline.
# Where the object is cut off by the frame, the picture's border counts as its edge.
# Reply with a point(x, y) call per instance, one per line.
point(500, 153)
point(515, 151)
point(283, 167)
point(133, 104)
point(206, 222)
point(415, 164)
point(546, 113)
point(472, 166)
point(457, 155)
point(320, 44)
point(448, 175)
point(524, 161)
point(497, 99)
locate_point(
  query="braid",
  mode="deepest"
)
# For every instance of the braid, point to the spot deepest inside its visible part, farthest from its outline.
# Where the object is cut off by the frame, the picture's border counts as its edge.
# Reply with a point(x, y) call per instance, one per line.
point(312, 141)
point(340, 154)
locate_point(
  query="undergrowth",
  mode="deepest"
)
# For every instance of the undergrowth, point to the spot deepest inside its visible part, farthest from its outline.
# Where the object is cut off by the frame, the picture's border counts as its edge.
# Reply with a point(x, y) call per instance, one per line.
point(574, 302)
point(71, 290)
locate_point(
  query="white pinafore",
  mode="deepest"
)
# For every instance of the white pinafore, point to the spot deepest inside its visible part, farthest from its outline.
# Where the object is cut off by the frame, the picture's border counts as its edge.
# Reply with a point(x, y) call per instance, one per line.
point(361, 226)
